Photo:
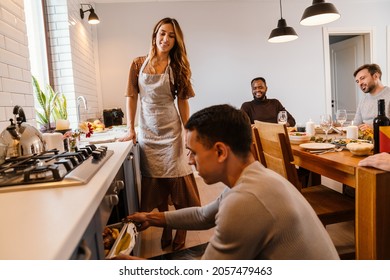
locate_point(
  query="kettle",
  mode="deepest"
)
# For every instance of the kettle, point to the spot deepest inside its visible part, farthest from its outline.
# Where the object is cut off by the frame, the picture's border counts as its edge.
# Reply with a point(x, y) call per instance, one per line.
point(22, 139)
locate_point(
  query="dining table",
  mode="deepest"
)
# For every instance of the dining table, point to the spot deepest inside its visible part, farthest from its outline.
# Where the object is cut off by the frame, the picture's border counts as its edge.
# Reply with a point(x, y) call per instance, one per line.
point(372, 196)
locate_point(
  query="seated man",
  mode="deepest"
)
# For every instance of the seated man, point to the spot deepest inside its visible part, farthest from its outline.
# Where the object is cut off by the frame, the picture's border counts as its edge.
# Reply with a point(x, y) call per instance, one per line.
point(260, 215)
point(368, 77)
point(261, 108)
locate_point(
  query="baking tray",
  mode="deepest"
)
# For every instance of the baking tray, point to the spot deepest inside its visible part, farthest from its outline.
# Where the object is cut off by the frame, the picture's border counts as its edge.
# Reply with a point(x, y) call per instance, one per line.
point(128, 229)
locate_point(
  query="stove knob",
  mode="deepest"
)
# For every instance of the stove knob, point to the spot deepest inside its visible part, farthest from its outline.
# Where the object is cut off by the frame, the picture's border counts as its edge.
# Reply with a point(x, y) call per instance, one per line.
point(113, 200)
point(102, 151)
point(92, 147)
point(97, 155)
point(119, 184)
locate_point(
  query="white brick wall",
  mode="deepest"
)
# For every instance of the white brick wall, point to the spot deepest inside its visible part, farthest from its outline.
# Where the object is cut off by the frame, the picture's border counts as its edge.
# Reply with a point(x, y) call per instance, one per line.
point(73, 59)
point(72, 49)
point(15, 76)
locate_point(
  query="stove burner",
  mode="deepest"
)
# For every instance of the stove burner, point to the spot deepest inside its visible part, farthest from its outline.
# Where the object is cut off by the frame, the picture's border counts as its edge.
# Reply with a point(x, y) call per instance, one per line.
point(51, 166)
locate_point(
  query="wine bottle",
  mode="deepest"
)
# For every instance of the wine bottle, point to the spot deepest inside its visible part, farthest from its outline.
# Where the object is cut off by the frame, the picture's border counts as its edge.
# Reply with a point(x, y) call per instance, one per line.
point(380, 120)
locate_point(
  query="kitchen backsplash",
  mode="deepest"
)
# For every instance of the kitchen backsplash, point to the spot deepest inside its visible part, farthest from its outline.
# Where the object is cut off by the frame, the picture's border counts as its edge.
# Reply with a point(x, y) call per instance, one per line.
point(15, 76)
point(73, 55)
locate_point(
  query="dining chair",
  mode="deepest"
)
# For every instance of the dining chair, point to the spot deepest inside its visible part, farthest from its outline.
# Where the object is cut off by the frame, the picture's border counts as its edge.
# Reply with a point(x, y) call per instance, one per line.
point(271, 146)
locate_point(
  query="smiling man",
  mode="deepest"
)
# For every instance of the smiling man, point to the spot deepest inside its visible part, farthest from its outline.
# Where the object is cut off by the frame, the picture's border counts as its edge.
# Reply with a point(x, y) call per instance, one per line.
point(368, 77)
point(260, 215)
point(261, 108)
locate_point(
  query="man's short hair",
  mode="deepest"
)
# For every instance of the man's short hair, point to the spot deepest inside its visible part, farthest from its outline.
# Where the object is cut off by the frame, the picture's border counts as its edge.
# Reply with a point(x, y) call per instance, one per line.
point(222, 123)
point(259, 78)
point(372, 69)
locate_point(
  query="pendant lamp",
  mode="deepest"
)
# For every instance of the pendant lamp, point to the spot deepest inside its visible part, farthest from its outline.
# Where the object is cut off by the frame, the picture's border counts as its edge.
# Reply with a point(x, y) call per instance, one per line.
point(319, 13)
point(282, 33)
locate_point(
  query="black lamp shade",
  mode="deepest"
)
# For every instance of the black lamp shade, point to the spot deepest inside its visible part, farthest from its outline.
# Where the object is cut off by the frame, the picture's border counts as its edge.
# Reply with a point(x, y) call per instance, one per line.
point(319, 13)
point(93, 18)
point(282, 33)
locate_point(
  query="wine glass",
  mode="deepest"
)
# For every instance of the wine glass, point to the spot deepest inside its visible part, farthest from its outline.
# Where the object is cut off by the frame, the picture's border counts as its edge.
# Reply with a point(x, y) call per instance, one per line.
point(282, 117)
point(326, 124)
point(341, 116)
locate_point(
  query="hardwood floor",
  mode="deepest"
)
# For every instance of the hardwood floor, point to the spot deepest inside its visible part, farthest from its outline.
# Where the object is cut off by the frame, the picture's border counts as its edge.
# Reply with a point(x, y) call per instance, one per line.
point(150, 238)
point(342, 234)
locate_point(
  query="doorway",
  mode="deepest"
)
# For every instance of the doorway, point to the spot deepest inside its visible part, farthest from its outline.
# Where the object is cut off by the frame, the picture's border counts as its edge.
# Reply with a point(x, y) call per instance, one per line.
point(344, 51)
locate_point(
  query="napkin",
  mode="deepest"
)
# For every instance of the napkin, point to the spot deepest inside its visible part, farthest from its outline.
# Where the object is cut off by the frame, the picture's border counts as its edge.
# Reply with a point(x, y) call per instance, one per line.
point(384, 139)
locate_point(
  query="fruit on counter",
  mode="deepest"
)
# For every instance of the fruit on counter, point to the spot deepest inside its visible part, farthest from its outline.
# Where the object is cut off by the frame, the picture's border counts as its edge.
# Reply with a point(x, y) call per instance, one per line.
point(123, 243)
point(97, 125)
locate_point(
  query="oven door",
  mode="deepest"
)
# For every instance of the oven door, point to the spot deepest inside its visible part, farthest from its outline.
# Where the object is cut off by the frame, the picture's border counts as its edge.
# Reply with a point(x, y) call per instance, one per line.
point(121, 199)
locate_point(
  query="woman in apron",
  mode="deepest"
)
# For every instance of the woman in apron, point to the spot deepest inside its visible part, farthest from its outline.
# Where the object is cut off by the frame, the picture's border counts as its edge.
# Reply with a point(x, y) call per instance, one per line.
point(160, 78)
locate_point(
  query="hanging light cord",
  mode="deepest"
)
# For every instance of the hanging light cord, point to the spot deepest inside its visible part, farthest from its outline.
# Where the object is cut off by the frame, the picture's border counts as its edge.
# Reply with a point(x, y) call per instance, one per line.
point(280, 6)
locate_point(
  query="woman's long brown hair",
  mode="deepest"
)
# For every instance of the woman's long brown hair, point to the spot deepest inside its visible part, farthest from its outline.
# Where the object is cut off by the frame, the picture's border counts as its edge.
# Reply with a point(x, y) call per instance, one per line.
point(178, 54)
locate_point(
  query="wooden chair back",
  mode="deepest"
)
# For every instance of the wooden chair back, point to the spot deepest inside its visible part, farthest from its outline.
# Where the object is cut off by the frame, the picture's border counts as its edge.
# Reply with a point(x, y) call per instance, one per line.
point(272, 145)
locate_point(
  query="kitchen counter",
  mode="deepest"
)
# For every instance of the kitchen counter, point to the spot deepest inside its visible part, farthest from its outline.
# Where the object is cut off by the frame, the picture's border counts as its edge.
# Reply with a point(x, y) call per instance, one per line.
point(48, 223)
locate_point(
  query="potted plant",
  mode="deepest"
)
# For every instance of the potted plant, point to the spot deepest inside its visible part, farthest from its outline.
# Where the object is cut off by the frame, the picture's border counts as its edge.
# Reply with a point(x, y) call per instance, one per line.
point(53, 106)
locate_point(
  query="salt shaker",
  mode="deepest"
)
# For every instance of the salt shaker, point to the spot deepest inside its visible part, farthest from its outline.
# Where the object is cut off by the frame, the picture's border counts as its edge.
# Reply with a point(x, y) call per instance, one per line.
point(310, 128)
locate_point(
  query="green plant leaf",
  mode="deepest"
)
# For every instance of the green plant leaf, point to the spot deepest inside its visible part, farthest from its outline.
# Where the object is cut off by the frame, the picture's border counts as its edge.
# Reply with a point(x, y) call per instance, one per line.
point(52, 104)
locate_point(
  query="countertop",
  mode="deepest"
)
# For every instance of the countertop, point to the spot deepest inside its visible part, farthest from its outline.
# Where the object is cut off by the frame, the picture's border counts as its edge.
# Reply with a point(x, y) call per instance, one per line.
point(45, 224)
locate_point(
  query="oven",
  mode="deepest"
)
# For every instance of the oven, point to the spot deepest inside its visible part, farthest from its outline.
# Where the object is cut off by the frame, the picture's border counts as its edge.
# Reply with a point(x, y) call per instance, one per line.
point(52, 169)
point(121, 199)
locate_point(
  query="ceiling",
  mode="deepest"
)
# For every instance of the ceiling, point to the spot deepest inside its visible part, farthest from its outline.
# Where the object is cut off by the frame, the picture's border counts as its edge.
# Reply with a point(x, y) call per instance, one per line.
point(123, 1)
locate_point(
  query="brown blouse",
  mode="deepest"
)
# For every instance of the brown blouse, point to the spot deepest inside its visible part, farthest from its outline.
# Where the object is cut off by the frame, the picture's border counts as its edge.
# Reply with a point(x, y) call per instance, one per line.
point(132, 83)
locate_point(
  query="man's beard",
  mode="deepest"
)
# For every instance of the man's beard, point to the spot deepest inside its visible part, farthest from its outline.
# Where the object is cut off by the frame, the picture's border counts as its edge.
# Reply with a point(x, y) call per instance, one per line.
point(259, 98)
point(369, 88)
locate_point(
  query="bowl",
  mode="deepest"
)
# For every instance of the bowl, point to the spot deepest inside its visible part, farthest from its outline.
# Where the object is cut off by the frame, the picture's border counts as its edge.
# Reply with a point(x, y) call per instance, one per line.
point(299, 137)
point(360, 149)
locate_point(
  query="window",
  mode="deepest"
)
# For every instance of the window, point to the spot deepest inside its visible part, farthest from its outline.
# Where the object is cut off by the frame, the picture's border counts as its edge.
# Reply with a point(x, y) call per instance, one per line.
point(38, 41)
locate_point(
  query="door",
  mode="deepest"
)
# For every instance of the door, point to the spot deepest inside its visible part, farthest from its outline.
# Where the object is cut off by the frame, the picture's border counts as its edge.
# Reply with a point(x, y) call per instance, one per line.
point(345, 57)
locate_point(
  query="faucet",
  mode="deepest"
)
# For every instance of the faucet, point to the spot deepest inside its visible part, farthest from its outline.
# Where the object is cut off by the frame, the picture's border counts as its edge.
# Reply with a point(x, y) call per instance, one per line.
point(78, 101)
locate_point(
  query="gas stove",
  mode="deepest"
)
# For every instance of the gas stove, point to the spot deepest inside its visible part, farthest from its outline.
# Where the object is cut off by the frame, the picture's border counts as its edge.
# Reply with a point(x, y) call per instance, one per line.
point(52, 169)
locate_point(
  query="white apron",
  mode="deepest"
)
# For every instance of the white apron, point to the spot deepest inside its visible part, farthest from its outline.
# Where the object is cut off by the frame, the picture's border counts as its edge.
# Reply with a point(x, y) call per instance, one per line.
point(160, 134)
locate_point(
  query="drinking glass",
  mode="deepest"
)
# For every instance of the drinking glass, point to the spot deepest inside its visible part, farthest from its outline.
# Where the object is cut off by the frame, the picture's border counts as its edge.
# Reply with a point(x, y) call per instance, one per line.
point(341, 116)
point(326, 124)
point(282, 117)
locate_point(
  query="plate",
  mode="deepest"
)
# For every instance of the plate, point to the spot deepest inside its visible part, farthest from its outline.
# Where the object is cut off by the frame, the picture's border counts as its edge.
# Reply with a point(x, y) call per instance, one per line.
point(345, 141)
point(317, 146)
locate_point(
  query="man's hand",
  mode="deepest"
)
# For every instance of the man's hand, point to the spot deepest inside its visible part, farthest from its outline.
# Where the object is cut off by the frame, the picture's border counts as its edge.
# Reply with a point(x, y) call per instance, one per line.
point(364, 127)
point(380, 161)
point(145, 219)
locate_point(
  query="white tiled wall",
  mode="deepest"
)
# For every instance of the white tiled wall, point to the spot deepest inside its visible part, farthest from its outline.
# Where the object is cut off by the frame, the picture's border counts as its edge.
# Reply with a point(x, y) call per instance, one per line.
point(15, 76)
point(73, 59)
point(72, 55)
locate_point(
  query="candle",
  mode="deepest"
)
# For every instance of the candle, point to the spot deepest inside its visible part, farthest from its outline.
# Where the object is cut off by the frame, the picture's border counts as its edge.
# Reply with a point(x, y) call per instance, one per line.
point(352, 132)
point(62, 124)
point(310, 128)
